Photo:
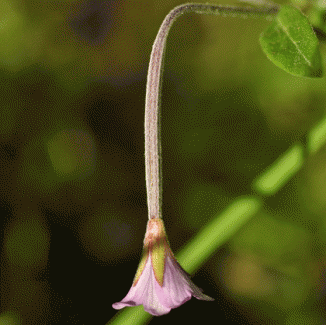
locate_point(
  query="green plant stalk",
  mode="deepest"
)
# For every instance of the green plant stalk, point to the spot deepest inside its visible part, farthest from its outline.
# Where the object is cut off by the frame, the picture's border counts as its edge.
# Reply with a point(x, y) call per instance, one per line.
point(224, 225)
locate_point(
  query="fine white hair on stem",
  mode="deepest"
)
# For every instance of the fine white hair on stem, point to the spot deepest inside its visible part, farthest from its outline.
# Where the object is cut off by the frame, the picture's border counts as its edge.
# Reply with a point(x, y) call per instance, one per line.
point(153, 156)
point(265, 3)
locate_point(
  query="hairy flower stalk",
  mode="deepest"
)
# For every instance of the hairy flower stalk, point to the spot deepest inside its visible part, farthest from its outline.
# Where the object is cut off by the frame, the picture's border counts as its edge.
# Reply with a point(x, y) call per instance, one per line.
point(160, 283)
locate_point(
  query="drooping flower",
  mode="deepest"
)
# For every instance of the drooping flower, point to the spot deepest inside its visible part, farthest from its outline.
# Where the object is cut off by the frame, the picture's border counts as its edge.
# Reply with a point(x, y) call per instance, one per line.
point(160, 283)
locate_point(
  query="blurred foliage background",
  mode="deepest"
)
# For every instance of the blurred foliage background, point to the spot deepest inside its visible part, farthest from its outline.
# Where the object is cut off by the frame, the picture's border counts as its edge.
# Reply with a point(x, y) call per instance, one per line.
point(72, 191)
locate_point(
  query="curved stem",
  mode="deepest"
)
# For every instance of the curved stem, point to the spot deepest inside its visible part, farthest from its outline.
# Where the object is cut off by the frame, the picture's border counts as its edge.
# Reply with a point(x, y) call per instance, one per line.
point(153, 155)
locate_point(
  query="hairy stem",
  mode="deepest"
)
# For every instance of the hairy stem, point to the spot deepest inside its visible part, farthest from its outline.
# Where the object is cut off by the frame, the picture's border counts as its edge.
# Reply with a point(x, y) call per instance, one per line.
point(153, 156)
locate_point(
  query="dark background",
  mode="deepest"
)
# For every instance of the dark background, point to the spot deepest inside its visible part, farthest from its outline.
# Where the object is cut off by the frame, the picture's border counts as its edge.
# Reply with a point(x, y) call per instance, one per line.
point(72, 175)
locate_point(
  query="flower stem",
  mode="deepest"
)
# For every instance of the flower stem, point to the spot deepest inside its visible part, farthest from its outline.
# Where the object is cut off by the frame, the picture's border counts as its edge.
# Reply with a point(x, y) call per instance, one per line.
point(153, 156)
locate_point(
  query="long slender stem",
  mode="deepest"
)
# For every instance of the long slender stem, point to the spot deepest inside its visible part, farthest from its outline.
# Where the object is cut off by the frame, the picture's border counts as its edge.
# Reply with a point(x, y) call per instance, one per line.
point(153, 157)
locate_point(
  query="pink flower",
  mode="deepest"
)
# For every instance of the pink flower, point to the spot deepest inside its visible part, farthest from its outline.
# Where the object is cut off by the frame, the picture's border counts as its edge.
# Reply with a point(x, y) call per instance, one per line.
point(160, 283)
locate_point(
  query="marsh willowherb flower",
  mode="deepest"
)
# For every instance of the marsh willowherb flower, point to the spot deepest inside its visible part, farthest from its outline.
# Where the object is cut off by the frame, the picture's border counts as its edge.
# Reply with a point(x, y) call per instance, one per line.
point(160, 283)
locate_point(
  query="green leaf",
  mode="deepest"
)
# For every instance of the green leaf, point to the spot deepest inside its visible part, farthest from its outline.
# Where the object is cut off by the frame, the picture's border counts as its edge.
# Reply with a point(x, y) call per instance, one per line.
point(316, 16)
point(291, 44)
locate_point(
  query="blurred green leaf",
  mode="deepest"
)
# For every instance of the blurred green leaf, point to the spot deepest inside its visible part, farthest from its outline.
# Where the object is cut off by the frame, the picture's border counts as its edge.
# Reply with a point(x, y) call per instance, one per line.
point(274, 241)
point(316, 15)
point(203, 201)
point(302, 316)
point(27, 242)
point(13, 28)
point(290, 43)
point(196, 139)
point(10, 318)
point(72, 153)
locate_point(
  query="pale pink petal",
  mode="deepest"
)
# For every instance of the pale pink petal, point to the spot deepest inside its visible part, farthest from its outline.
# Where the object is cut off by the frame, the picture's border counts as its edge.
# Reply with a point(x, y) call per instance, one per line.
point(151, 301)
point(195, 291)
point(176, 290)
point(144, 293)
point(128, 301)
point(136, 294)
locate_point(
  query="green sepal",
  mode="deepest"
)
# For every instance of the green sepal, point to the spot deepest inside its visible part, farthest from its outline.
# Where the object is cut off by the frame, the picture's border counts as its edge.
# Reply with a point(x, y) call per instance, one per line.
point(158, 254)
point(141, 265)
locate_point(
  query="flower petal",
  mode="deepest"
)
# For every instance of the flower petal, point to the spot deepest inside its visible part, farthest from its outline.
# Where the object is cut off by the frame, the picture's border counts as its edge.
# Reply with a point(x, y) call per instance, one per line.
point(148, 284)
point(128, 301)
point(179, 284)
point(144, 293)
point(176, 290)
point(160, 282)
